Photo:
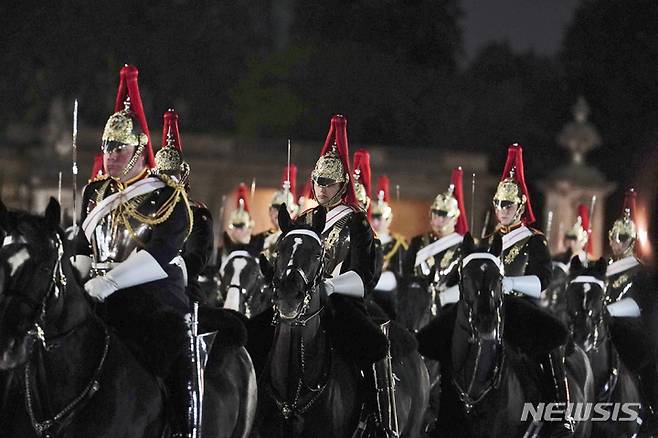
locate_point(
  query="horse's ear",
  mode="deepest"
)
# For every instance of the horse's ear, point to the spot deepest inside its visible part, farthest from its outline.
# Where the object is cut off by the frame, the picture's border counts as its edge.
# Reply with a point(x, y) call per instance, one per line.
point(285, 222)
point(468, 245)
point(600, 268)
point(496, 247)
point(576, 266)
point(266, 268)
point(319, 220)
point(53, 213)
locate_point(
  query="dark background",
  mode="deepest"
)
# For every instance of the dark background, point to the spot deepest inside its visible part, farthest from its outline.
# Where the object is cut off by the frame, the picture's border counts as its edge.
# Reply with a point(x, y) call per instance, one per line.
point(440, 73)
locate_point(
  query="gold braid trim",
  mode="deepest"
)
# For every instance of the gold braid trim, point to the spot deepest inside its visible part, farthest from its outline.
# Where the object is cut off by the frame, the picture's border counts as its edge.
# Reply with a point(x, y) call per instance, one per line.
point(128, 210)
point(399, 241)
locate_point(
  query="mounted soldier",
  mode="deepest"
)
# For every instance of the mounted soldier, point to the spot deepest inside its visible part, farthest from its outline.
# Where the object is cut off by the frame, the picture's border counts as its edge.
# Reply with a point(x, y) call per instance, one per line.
point(433, 256)
point(287, 194)
point(527, 266)
point(240, 226)
point(393, 246)
point(197, 249)
point(631, 302)
point(134, 224)
point(576, 241)
point(578, 245)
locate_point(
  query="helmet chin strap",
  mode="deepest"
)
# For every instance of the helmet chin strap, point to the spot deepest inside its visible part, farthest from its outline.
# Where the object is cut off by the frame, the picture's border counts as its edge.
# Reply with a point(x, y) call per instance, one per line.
point(519, 213)
point(133, 160)
point(335, 200)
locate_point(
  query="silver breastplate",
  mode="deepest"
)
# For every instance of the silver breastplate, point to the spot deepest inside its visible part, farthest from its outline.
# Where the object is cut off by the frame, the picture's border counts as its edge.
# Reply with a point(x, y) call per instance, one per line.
point(117, 235)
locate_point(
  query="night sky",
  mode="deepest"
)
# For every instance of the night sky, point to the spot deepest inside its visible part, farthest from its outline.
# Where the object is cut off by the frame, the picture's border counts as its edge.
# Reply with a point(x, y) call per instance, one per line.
point(535, 25)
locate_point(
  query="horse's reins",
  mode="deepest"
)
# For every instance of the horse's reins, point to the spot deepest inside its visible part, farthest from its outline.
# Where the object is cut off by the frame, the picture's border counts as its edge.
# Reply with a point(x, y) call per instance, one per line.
point(58, 282)
point(464, 395)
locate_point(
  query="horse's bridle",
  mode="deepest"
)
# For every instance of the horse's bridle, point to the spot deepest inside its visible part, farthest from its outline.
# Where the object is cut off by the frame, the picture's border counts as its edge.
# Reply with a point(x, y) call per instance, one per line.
point(465, 394)
point(593, 336)
point(235, 255)
point(57, 283)
point(301, 319)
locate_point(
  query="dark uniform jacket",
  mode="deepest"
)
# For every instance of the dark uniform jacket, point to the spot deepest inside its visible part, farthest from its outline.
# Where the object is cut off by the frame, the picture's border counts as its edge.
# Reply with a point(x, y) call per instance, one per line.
point(525, 252)
point(437, 268)
point(349, 244)
point(159, 224)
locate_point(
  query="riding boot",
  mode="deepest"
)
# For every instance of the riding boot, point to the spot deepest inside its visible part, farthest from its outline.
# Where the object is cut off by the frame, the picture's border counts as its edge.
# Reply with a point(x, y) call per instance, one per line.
point(649, 401)
point(185, 390)
point(385, 391)
point(554, 370)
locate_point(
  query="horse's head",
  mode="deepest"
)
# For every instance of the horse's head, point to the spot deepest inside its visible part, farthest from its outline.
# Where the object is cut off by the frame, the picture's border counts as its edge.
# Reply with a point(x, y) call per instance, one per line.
point(586, 302)
point(481, 292)
point(240, 280)
point(298, 267)
point(30, 271)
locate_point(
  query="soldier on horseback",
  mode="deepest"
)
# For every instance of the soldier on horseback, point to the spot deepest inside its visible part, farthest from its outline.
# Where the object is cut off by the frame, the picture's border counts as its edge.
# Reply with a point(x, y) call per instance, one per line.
point(350, 267)
point(631, 301)
point(577, 240)
point(527, 266)
point(393, 246)
point(197, 249)
point(578, 244)
point(433, 256)
point(266, 241)
point(134, 224)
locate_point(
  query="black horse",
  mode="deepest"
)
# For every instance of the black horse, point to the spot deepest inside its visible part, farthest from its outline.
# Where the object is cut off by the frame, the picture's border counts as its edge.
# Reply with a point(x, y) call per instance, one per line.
point(613, 381)
point(242, 285)
point(75, 378)
point(416, 304)
point(491, 381)
point(307, 388)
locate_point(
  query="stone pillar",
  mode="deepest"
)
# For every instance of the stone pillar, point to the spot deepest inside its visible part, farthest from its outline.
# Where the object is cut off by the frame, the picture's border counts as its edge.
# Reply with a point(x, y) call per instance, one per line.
point(576, 183)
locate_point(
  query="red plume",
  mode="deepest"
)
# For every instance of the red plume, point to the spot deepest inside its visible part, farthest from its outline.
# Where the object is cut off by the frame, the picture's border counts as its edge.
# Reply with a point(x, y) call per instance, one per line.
point(97, 168)
point(383, 185)
point(308, 190)
point(515, 161)
point(293, 179)
point(583, 213)
point(171, 122)
point(630, 198)
point(242, 193)
point(456, 180)
point(128, 87)
point(362, 163)
point(338, 132)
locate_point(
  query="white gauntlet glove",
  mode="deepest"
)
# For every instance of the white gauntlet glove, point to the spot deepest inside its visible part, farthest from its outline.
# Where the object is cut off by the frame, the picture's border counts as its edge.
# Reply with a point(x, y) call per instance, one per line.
point(450, 295)
point(348, 284)
point(139, 268)
point(101, 287)
point(626, 307)
point(526, 284)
